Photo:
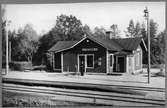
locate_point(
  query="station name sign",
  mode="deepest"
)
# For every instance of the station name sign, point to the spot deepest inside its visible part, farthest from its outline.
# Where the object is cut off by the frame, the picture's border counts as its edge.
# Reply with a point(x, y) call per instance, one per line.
point(89, 49)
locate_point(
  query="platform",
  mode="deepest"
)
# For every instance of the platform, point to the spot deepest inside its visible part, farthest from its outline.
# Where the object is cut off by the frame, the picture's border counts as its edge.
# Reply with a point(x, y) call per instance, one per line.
point(99, 79)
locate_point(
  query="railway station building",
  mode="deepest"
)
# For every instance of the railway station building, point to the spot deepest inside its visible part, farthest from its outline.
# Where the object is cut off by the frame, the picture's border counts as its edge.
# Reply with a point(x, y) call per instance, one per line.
point(96, 55)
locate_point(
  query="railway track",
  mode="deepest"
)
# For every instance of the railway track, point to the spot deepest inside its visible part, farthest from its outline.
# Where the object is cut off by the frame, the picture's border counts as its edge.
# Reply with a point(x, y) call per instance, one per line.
point(90, 96)
point(78, 85)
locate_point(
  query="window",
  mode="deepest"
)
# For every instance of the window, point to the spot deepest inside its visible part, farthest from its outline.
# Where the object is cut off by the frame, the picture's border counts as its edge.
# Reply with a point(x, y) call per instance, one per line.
point(138, 59)
point(99, 61)
point(111, 60)
point(90, 61)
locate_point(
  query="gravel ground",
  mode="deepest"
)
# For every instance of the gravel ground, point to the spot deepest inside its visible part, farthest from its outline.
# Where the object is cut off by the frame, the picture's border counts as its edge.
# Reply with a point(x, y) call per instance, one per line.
point(11, 99)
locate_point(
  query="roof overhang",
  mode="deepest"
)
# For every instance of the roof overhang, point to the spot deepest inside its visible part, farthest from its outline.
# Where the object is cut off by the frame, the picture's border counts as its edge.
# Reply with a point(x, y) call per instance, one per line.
point(80, 42)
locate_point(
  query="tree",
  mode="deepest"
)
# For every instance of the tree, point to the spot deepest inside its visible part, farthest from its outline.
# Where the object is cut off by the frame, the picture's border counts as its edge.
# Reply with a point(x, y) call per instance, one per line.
point(161, 47)
point(130, 29)
point(156, 43)
point(25, 44)
point(99, 32)
point(115, 31)
point(69, 27)
point(29, 32)
point(133, 30)
point(87, 31)
point(137, 30)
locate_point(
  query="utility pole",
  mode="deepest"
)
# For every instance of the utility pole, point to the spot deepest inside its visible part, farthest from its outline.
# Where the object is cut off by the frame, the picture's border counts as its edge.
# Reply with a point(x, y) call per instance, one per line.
point(7, 46)
point(7, 62)
point(146, 15)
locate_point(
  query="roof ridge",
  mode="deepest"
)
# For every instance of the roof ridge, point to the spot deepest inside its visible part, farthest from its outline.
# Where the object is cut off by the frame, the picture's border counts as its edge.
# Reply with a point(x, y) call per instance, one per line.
point(68, 41)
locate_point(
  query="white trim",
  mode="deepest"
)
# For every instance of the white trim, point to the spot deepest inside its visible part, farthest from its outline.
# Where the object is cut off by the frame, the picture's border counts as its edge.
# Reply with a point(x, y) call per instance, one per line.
point(71, 46)
point(78, 62)
point(85, 62)
point(62, 62)
point(107, 68)
point(53, 58)
point(137, 55)
point(141, 59)
point(127, 64)
point(133, 64)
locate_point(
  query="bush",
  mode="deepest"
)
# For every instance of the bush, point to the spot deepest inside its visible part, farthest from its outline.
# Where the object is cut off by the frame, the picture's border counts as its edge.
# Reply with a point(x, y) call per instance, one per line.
point(40, 67)
point(152, 65)
point(20, 66)
point(49, 62)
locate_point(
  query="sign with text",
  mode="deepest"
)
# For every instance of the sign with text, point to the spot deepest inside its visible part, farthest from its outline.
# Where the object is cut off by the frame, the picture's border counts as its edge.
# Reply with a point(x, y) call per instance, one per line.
point(89, 49)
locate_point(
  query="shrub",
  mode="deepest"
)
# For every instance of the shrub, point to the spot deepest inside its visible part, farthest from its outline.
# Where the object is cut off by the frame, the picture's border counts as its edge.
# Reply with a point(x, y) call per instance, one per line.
point(49, 62)
point(152, 65)
point(20, 66)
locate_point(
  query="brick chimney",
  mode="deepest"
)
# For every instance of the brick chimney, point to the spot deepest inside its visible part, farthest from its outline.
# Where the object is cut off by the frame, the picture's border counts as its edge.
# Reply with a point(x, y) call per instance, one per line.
point(108, 34)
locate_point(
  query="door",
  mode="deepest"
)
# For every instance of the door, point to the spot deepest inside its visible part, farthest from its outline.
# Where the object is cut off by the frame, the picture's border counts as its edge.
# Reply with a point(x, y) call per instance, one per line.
point(57, 61)
point(120, 64)
point(130, 66)
point(111, 63)
point(81, 64)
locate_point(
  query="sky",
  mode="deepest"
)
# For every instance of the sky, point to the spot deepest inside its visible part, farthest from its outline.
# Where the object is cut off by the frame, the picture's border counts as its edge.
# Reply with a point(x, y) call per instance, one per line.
point(104, 14)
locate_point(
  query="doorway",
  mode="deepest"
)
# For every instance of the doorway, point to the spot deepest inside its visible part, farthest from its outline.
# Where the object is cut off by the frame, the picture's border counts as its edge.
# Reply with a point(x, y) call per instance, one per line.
point(120, 65)
point(81, 63)
point(111, 58)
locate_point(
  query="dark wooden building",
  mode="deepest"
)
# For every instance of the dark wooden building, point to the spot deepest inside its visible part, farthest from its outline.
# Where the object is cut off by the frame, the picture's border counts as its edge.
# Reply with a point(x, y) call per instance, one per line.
point(98, 55)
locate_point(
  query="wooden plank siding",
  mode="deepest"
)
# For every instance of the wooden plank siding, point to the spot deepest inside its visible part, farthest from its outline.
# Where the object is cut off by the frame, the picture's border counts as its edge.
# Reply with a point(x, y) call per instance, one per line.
point(70, 56)
point(69, 61)
point(137, 57)
point(67, 56)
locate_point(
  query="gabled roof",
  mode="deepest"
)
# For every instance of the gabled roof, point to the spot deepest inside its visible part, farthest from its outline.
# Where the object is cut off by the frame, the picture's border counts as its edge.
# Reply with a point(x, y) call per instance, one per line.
point(62, 45)
point(129, 43)
point(110, 44)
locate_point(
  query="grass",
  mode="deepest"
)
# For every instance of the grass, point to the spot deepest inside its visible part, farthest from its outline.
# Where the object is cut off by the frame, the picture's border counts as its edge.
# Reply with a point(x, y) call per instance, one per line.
point(11, 99)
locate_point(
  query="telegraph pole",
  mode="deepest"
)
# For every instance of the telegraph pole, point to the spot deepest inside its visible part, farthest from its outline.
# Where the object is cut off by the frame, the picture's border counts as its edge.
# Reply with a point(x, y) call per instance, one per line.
point(146, 15)
point(7, 59)
point(7, 46)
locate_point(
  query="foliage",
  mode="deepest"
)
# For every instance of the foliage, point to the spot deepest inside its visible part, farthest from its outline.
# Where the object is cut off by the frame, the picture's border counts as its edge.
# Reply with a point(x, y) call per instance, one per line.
point(20, 66)
point(87, 31)
point(130, 29)
point(66, 28)
point(157, 44)
point(115, 31)
point(24, 44)
point(99, 32)
point(137, 31)
point(49, 63)
point(133, 30)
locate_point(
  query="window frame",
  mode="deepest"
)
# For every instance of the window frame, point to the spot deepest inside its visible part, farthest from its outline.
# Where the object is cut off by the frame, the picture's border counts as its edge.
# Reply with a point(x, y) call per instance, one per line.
point(138, 59)
point(86, 55)
point(110, 60)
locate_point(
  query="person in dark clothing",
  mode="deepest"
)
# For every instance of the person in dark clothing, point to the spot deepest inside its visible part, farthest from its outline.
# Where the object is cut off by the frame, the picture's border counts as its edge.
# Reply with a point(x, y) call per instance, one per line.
point(82, 68)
